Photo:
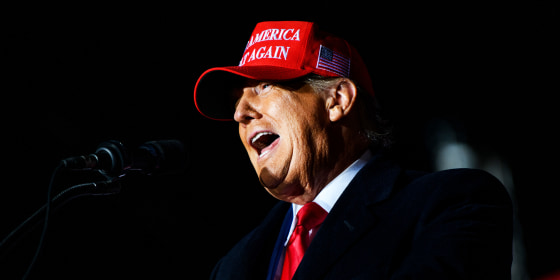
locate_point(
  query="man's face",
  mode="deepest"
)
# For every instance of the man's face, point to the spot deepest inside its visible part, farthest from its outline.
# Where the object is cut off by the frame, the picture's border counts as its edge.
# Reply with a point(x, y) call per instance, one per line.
point(285, 134)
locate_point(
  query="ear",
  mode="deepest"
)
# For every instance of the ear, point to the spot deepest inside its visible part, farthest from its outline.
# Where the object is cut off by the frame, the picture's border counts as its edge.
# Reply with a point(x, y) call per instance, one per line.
point(341, 99)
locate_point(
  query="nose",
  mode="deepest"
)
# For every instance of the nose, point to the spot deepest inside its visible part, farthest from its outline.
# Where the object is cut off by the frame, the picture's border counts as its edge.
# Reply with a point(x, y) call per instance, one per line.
point(245, 110)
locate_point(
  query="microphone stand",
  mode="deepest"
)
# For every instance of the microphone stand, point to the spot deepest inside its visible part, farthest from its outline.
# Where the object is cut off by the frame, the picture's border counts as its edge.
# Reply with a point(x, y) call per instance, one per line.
point(109, 186)
point(151, 157)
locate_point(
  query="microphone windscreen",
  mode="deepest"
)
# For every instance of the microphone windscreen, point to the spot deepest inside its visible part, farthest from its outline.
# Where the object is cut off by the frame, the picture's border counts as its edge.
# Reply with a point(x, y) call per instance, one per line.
point(162, 156)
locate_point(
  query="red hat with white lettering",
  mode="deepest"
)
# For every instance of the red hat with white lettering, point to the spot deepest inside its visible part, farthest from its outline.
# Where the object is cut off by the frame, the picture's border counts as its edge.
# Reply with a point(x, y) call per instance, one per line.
point(280, 51)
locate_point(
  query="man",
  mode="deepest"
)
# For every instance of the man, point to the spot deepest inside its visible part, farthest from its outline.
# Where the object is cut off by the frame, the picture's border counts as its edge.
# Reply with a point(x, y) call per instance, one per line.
point(306, 110)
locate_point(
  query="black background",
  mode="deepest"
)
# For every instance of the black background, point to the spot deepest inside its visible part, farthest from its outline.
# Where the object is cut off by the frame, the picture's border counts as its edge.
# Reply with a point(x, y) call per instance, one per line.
point(77, 75)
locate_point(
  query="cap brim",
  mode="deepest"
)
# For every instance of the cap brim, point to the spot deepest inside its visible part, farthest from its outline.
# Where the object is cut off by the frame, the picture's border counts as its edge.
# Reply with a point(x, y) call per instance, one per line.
point(213, 91)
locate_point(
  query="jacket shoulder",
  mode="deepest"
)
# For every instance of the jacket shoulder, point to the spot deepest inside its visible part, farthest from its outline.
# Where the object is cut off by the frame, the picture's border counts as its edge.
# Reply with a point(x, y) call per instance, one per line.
point(456, 218)
point(472, 183)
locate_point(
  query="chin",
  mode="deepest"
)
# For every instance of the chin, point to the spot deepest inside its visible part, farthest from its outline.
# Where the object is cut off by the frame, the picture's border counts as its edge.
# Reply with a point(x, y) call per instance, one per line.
point(269, 180)
point(283, 191)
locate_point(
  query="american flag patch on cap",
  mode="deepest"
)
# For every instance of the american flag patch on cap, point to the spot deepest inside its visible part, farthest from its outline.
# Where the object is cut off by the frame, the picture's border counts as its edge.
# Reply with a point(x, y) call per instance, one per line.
point(333, 62)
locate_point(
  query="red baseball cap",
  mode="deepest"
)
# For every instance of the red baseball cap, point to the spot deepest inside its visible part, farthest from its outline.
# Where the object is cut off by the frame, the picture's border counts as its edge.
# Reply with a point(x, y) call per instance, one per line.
point(280, 51)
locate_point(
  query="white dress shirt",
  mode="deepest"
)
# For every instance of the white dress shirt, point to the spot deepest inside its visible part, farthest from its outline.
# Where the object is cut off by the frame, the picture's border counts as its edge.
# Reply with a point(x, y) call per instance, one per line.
point(332, 191)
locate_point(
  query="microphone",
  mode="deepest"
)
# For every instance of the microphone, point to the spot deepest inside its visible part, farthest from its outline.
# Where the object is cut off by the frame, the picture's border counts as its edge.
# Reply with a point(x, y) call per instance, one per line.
point(162, 156)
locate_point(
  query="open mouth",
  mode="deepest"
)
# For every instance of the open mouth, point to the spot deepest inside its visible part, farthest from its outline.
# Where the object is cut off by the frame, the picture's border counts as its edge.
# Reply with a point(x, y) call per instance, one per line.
point(264, 141)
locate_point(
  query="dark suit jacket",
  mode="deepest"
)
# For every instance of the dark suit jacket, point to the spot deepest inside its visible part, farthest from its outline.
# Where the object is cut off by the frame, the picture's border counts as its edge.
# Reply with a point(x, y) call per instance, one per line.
point(395, 224)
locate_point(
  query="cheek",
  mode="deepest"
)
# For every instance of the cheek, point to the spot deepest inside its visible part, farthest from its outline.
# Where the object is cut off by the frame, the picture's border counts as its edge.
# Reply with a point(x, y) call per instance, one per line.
point(307, 123)
point(302, 112)
point(307, 133)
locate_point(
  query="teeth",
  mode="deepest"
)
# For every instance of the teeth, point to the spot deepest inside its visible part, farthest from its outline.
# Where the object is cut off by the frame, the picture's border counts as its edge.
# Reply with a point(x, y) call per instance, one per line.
point(259, 135)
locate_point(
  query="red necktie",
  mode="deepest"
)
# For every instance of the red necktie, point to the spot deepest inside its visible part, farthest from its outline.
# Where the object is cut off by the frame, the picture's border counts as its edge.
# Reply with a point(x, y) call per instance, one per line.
point(309, 217)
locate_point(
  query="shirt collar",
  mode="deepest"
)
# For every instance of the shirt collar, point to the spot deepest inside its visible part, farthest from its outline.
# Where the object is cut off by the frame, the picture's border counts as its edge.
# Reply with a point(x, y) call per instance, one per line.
point(332, 191)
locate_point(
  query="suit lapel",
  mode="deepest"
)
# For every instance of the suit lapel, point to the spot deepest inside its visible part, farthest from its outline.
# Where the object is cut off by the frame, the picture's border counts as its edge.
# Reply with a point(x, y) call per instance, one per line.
point(264, 238)
point(350, 217)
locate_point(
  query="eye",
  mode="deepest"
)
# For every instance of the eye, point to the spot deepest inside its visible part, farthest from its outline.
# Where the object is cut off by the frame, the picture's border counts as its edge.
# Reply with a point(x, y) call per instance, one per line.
point(263, 88)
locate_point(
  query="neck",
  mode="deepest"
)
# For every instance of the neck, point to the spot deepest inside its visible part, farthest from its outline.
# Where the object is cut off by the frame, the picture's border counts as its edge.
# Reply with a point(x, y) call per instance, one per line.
point(354, 151)
point(340, 159)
